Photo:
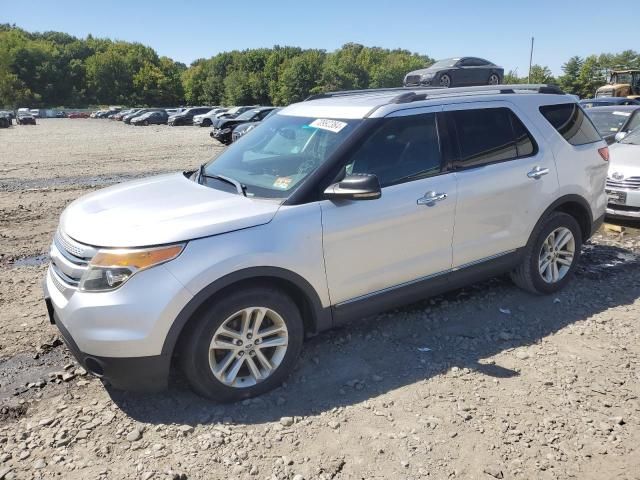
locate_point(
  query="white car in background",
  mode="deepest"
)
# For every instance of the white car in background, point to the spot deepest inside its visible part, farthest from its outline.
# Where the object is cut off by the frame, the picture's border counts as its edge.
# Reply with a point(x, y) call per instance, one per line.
point(623, 179)
point(206, 119)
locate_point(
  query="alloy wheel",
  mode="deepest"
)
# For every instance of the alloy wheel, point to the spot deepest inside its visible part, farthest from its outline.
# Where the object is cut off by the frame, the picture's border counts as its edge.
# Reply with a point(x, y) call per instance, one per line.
point(494, 79)
point(248, 347)
point(556, 255)
point(445, 81)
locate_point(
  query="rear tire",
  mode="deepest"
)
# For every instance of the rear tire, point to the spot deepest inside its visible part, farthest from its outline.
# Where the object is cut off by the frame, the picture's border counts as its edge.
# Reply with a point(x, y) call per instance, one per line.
point(445, 81)
point(494, 79)
point(206, 123)
point(209, 369)
point(555, 241)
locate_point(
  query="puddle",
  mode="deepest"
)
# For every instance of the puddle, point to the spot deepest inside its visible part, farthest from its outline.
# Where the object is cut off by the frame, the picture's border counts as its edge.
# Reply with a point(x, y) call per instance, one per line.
point(32, 261)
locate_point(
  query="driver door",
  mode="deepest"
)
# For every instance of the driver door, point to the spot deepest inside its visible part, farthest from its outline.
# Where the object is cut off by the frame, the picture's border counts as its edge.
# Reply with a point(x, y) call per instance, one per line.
point(377, 247)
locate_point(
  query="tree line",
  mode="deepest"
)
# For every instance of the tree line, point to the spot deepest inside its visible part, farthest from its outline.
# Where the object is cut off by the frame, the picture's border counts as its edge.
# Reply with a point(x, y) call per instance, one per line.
point(53, 69)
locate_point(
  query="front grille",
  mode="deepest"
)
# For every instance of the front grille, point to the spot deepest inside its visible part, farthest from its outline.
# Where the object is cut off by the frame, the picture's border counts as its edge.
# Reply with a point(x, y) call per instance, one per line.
point(69, 260)
point(412, 80)
point(629, 183)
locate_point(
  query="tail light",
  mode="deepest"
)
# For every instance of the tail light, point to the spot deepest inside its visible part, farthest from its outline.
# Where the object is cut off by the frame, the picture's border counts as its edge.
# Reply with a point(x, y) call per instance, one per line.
point(604, 153)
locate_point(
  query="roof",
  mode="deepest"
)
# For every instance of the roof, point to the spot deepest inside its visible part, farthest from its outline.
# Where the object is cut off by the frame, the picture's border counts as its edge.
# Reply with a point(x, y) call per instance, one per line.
point(355, 104)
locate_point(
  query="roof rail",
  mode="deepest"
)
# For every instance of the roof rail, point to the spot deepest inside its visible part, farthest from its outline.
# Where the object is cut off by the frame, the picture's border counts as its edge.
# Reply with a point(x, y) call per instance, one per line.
point(414, 94)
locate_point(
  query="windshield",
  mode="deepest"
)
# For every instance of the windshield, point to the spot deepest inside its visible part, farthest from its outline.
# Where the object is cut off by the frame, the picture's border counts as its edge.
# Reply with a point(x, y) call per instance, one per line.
point(608, 122)
point(248, 115)
point(632, 138)
point(280, 153)
point(447, 62)
point(621, 78)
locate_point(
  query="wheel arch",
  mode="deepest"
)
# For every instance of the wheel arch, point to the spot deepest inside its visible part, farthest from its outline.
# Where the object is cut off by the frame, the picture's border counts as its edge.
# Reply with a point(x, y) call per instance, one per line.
point(315, 317)
point(577, 207)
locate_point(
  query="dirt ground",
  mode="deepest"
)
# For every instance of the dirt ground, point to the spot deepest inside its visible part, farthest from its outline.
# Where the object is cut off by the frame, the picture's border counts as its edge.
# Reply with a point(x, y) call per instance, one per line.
point(484, 382)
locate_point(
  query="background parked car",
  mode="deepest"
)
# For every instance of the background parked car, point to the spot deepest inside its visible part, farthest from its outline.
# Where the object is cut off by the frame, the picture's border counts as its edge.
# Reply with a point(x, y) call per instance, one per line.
point(244, 128)
point(456, 72)
point(79, 115)
point(25, 118)
point(5, 120)
point(223, 127)
point(136, 113)
point(609, 120)
point(605, 101)
point(206, 119)
point(233, 112)
point(158, 117)
point(623, 179)
point(186, 117)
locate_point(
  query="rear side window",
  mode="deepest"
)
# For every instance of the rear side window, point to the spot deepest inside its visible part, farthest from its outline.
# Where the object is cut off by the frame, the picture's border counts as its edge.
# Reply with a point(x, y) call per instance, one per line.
point(489, 135)
point(571, 122)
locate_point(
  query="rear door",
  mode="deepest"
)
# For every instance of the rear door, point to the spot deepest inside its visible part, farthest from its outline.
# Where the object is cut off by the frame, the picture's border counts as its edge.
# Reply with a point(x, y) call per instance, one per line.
point(375, 246)
point(505, 179)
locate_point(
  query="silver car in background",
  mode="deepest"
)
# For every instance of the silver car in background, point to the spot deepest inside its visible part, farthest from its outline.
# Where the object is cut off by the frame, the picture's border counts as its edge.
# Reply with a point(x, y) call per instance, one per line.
point(623, 179)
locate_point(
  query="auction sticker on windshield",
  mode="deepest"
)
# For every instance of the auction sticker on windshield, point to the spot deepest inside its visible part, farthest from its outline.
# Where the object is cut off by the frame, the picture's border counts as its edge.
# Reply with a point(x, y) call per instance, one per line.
point(325, 124)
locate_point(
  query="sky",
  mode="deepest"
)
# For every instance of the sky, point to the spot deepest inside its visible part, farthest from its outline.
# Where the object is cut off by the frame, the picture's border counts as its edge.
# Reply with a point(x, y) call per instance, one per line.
point(185, 30)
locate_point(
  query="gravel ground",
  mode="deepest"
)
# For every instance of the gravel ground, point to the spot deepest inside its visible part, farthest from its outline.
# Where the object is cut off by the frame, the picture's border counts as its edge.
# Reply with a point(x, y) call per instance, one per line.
point(484, 382)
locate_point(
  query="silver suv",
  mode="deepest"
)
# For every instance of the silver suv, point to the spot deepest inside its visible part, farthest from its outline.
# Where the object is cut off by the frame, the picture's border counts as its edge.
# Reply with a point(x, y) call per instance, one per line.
point(344, 205)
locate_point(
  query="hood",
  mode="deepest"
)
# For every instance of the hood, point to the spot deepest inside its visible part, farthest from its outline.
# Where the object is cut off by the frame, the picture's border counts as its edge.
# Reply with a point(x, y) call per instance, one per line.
point(226, 122)
point(159, 210)
point(425, 71)
point(624, 159)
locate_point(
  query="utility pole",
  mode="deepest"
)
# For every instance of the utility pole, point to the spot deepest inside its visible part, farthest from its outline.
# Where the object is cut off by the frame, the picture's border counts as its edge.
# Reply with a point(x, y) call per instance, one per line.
point(530, 61)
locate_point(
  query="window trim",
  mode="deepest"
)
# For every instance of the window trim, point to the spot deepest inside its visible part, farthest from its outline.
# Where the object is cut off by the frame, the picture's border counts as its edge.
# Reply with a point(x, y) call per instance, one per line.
point(584, 113)
point(454, 138)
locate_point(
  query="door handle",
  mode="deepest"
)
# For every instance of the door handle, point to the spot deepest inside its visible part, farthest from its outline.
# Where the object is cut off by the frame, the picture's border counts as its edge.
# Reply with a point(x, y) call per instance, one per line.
point(430, 198)
point(537, 172)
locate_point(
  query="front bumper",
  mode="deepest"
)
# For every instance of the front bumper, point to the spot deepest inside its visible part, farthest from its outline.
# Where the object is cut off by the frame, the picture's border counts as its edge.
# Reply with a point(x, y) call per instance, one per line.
point(630, 208)
point(119, 335)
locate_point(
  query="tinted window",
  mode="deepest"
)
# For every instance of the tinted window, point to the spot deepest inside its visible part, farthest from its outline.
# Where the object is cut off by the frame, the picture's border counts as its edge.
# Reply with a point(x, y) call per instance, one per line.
point(490, 135)
point(401, 149)
point(571, 122)
point(634, 122)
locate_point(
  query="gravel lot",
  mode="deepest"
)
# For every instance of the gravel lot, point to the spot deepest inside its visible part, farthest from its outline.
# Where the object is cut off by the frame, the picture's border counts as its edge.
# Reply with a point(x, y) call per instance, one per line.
point(481, 383)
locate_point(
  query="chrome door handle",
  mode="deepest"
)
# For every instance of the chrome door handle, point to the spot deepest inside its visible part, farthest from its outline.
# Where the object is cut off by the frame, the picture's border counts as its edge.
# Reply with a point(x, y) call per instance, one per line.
point(430, 198)
point(537, 172)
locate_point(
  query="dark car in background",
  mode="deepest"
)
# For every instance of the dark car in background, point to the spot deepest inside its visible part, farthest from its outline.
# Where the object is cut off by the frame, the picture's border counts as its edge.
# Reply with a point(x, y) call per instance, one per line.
point(610, 120)
point(223, 127)
point(456, 72)
point(606, 101)
point(244, 128)
point(5, 119)
point(186, 117)
point(158, 117)
point(138, 112)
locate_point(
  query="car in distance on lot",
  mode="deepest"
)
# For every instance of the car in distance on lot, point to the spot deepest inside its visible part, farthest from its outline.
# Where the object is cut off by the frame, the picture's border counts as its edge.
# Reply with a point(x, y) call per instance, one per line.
point(5, 120)
point(223, 127)
point(157, 117)
point(623, 180)
point(206, 119)
point(456, 72)
point(25, 118)
point(244, 128)
point(186, 116)
point(606, 101)
point(609, 120)
point(318, 217)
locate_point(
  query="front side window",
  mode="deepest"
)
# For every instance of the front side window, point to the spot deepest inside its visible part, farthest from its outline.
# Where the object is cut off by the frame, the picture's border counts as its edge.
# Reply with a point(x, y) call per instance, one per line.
point(401, 149)
point(279, 154)
point(489, 135)
point(633, 122)
point(571, 122)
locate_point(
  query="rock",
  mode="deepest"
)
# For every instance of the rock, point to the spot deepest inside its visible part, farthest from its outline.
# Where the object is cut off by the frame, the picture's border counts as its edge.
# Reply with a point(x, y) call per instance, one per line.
point(404, 463)
point(334, 425)
point(147, 475)
point(494, 470)
point(297, 476)
point(185, 429)
point(522, 355)
point(67, 377)
point(286, 421)
point(39, 464)
point(254, 470)
point(617, 420)
point(45, 422)
point(134, 435)
point(4, 472)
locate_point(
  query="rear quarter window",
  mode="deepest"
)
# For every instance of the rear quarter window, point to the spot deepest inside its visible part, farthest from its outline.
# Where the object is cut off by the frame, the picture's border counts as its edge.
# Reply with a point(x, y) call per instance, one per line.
point(571, 122)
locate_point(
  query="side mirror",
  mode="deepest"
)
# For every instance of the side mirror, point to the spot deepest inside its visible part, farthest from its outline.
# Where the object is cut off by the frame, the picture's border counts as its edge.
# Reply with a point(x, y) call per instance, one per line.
point(620, 135)
point(362, 186)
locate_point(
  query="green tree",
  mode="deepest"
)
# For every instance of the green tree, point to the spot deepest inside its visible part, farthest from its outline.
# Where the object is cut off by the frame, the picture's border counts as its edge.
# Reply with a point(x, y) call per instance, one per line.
point(570, 81)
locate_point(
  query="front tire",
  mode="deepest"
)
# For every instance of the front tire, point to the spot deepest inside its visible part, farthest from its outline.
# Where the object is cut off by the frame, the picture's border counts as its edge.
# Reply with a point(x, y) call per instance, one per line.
point(206, 123)
point(242, 344)
point(445, 81)
point(551, 256)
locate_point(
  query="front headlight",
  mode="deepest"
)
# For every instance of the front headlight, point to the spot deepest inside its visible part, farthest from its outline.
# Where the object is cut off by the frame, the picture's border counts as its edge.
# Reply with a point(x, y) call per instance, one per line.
point(111, 268)
point(225, 130)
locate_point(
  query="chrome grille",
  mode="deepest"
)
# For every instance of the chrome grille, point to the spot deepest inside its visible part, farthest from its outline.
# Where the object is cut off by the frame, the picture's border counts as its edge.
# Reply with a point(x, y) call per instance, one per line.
point(629, 183)
point(69, 260)
point(412, 80)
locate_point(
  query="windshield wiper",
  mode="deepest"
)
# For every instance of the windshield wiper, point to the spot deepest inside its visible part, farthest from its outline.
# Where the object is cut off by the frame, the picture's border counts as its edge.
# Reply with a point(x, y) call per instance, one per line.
point(241, 188)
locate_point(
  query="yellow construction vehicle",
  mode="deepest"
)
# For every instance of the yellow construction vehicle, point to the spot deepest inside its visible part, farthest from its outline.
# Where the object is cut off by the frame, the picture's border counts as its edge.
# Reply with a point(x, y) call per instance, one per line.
point(622, 83)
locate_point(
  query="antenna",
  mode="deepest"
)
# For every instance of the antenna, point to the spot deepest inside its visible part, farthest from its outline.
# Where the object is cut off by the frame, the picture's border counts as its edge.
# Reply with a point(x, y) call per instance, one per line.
point(530, 61)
